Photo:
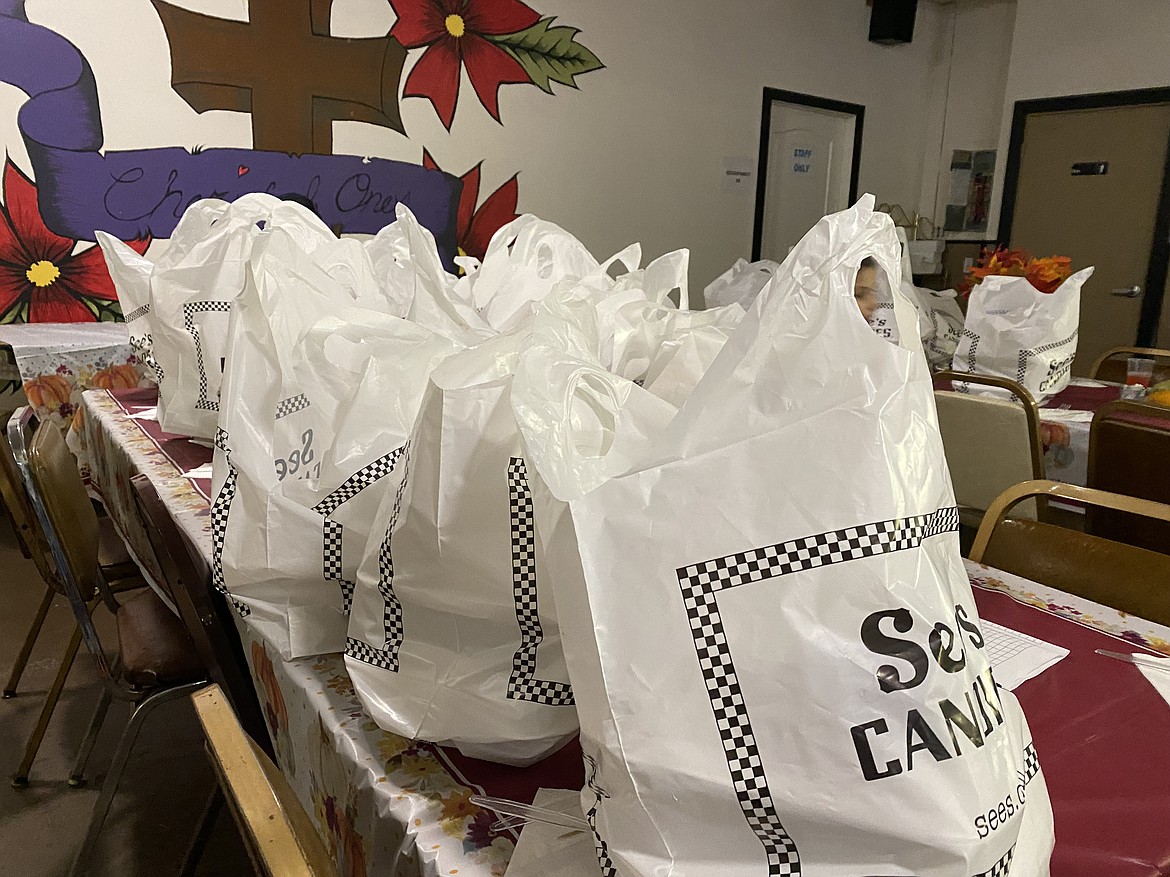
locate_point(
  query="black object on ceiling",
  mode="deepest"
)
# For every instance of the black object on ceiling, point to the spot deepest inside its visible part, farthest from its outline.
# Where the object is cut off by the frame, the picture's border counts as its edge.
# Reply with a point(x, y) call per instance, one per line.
point(891, 22)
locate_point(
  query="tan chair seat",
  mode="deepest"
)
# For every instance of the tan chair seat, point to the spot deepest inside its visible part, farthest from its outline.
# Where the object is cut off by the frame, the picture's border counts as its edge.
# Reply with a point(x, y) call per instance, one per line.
point(155, 645)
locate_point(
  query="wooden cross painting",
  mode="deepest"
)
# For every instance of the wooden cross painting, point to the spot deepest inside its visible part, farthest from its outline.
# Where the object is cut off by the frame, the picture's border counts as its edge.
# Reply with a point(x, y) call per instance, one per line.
point(284, 68)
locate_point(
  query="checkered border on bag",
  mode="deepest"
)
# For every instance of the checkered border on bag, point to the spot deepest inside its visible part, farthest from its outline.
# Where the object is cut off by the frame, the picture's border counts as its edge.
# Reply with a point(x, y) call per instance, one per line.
point(1031, 767)
point(137, 313)
point(1026, 355)
point(1001, 868)
point(701, 583)
point(599, 845)
point(291, 405)
point(189, 310)
point(523, 684)
point(219, 520)
point(387, 656)
point(332, 531)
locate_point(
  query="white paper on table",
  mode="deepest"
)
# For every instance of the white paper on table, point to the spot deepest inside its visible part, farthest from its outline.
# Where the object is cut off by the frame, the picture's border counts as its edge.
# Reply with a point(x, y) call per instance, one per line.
point(1156, 669)
point(1017, 657)
point(203, 471)
point(1066, 415)
point(552, 851)
point(1089, 382)
point(146, 414)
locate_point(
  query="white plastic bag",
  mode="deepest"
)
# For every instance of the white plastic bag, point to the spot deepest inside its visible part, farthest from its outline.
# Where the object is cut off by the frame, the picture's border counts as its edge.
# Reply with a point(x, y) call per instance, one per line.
point(319, 397)
point(768, 625)
point(1015, 331)
point(940, 319)
point(453, 635)
point(131, 273)
point(739, 284)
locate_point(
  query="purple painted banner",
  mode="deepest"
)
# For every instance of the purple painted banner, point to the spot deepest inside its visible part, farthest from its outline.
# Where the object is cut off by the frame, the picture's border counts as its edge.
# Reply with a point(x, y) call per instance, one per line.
point(132, 193)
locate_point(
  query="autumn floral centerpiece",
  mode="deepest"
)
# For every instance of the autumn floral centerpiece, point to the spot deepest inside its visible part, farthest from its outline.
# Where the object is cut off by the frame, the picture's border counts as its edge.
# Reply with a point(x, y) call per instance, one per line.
point(1045, 274)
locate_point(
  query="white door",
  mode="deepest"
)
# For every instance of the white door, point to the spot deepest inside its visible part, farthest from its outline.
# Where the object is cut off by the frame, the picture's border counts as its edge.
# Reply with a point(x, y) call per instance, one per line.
point(808, 172)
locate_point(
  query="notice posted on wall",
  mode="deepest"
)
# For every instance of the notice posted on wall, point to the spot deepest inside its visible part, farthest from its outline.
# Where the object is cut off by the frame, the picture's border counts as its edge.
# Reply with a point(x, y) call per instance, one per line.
point(969, 197)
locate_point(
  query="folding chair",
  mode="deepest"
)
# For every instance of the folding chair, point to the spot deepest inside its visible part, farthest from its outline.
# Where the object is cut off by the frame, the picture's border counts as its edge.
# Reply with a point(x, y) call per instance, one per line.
point(277, 831)
point(1111, 573)
point(1129, 445)
point(157, 661)
point(117, 569)
point(990, 443)
point(1111, 365)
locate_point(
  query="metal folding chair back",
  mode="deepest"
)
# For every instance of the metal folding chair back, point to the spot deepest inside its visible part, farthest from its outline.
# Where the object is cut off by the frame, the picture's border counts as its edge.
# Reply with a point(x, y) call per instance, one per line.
point(1129, 445)
point(1111, 573)
point(205, 613)
point(1111, 365)
point(277, 831)
point(991, 443)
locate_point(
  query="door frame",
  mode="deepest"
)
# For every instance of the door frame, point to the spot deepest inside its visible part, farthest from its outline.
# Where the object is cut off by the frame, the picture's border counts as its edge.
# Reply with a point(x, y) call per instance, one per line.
point(1156, 270)
point(773, 95)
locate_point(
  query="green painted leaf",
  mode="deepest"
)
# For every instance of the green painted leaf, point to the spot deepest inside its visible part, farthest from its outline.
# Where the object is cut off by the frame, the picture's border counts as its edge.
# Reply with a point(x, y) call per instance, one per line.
point(549, 53)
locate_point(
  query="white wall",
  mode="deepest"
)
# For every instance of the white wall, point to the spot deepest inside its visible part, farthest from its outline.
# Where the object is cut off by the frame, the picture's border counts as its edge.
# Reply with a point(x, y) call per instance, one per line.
point(966, 107)
point(1065, 47)
point(637, 153)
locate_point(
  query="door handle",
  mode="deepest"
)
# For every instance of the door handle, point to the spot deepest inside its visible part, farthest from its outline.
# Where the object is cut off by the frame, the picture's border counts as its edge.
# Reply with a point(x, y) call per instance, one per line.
point(1127, 292)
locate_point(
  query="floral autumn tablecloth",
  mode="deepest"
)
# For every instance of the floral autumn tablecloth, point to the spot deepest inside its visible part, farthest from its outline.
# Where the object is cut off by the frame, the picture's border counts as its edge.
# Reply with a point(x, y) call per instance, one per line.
point(1127, 627)
point(57, 362)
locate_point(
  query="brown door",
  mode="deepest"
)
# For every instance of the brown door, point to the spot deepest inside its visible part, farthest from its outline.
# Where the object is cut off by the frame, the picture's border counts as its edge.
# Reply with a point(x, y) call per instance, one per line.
point(1089, 187)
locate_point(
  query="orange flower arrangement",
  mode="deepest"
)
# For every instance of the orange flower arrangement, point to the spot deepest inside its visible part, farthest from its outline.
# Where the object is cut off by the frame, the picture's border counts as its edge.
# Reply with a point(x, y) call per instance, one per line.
point(1045, 274)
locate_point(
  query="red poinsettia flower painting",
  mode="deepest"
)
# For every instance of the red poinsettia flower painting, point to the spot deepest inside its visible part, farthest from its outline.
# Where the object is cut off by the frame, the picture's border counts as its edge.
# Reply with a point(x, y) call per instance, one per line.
point(498, 42)
point(474, 228)
point(41, 280)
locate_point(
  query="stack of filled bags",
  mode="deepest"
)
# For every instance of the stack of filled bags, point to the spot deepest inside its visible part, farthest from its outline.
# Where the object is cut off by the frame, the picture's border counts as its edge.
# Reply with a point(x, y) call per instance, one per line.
point(540, 498)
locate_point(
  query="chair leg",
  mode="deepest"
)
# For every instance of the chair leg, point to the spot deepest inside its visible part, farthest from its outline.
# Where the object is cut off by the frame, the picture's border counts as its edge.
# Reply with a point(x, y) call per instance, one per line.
point(77, 775)
point(199, 842)
point(20, 778)
point(118, 766)
point(29, 641)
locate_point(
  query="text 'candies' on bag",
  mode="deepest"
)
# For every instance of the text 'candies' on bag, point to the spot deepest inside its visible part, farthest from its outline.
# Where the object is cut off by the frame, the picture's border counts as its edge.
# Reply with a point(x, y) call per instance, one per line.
point(320, 394)
point(776, 655)
point(1015, 331)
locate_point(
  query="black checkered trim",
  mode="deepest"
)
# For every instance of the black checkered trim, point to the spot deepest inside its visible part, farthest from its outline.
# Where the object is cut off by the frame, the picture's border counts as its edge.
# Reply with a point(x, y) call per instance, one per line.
point(1001, 868)
point(1031, 767)
point(366, 653)
point(1031, 764)
point(189, 310)
point(219, 520)
point(1026, 355)
point(599, 845)
point(333, 530)
point(523, 684)
point(291, 405)
point(972, 353)
point(137, 313)
point(387, 656)
point(701, 583)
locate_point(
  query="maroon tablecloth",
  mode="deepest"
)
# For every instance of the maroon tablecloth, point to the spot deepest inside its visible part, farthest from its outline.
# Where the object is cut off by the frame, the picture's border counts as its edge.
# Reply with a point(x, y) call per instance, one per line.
point(1084, 398)
point(1103, 736)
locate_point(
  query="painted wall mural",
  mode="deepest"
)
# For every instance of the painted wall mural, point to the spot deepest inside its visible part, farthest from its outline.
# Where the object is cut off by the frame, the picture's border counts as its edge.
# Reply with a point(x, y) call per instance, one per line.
point(284, 68)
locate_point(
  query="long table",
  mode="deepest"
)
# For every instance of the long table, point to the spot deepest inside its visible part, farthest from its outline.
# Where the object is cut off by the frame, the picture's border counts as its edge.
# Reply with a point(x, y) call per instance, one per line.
point(390, 806)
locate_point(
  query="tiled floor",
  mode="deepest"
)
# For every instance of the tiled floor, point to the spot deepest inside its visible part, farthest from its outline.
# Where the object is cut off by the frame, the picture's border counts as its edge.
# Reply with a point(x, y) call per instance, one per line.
point(161, 795)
